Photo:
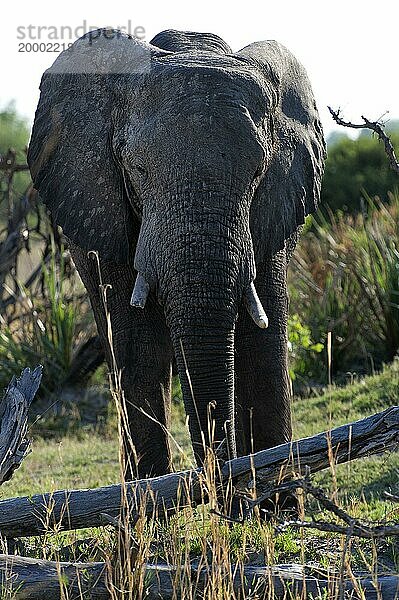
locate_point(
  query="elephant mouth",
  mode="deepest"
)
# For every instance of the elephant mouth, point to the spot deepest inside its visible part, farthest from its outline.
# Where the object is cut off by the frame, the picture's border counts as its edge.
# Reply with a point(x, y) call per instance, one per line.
point(250, 299)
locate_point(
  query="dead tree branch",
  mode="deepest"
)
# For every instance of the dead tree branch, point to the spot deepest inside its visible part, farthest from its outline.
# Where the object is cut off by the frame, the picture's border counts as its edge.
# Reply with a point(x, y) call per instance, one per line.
point(82, 508)
point(14, 409)
point(375, 126)
point(36, 579)
point(17, 234)
point(352, 527)
point(391, 497)
point(8, 163)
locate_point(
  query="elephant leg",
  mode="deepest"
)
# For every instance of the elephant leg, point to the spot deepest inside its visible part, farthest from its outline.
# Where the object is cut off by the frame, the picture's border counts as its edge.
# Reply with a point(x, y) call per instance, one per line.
point(142, 354)
point(262, 386)
point(263, 390)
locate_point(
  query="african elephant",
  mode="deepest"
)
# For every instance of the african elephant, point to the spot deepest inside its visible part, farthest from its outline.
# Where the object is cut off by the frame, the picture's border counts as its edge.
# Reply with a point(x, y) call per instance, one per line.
point(189, 169)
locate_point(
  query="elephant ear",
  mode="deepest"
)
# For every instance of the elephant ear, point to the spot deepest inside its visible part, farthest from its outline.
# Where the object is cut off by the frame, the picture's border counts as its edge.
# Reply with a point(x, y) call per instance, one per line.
point(70, 153)
point(290, 188)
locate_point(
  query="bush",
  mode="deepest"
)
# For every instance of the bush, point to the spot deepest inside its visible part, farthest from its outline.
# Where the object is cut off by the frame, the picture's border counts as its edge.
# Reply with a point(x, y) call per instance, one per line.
point(376, 268)
point(301, 347)
point(45, 330)
point(355, 166)
point(344, 278)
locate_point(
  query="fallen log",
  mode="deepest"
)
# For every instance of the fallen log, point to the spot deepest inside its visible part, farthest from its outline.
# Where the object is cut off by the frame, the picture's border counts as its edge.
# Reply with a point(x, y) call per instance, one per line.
point(85, 508)
point(14, 409)
point(371, 435)
point(36, 579)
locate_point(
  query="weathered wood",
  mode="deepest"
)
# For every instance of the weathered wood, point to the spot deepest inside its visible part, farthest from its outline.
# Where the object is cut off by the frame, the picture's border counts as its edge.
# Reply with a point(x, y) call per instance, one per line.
point(372, 435)
point(83, 508)
point(14, 409)
point(37, 579)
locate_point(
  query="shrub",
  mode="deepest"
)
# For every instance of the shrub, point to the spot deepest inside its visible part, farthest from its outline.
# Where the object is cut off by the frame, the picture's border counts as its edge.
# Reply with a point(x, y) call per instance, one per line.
point(376, 268)
point(353, 166)
point(45, 330)
point(344, 278)
point(301, 347)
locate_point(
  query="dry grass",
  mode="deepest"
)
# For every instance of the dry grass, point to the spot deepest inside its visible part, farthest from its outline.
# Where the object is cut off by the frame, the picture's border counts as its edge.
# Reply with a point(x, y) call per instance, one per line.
point(195, 537)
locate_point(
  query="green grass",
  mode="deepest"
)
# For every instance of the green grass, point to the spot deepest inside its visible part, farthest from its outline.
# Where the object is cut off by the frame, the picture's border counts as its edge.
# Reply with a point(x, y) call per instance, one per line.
point(342, 404)
point(87, 460)
point(364, 479)
point(87, 456)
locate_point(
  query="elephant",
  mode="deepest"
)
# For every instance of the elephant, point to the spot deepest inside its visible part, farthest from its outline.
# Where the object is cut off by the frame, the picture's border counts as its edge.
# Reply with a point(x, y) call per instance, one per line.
point(186, 170)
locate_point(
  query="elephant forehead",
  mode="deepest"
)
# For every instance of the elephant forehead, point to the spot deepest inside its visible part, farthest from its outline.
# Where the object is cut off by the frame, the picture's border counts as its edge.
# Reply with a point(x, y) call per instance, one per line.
point(205, 73)
point(191, 123)
point(207, 86)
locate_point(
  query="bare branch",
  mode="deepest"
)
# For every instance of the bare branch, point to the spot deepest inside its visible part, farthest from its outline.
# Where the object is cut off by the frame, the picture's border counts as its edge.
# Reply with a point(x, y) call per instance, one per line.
point(352, 527)
point(13, 421)
point(377, 127)
point(391, 497)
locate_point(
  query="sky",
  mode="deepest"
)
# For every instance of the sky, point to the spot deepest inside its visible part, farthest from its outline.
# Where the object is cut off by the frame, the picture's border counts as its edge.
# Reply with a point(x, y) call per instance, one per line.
point(349, 48)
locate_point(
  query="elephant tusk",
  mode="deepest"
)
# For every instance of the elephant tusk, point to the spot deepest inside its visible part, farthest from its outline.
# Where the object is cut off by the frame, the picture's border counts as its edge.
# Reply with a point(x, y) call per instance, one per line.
point(254, 307)
point(140, 292)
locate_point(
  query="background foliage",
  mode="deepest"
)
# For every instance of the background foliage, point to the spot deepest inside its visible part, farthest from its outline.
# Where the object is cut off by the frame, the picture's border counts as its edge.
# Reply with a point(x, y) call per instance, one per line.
point(357, 166)
point(343, 277)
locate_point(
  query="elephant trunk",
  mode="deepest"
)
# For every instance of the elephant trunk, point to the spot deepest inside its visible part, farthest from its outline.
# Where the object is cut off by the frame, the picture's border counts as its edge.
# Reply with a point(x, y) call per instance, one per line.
point(205, 361)
point(197, 255)
point(201, 305)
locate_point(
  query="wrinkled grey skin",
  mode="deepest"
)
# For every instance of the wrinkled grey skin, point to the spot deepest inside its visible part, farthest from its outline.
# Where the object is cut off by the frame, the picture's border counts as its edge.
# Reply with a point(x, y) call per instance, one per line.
point(195, 167)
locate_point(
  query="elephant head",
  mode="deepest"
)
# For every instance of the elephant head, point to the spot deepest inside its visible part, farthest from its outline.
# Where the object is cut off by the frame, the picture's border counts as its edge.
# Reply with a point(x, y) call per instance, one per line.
point(193, 164)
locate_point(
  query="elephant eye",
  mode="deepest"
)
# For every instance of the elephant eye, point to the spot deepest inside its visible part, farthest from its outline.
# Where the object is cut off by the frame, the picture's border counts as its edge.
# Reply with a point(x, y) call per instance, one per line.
point(259, 171)
point(140, 172)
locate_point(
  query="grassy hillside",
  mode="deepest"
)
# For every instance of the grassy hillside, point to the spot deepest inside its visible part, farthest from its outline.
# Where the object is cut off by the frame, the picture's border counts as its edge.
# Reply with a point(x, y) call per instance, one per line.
point(360, 483)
